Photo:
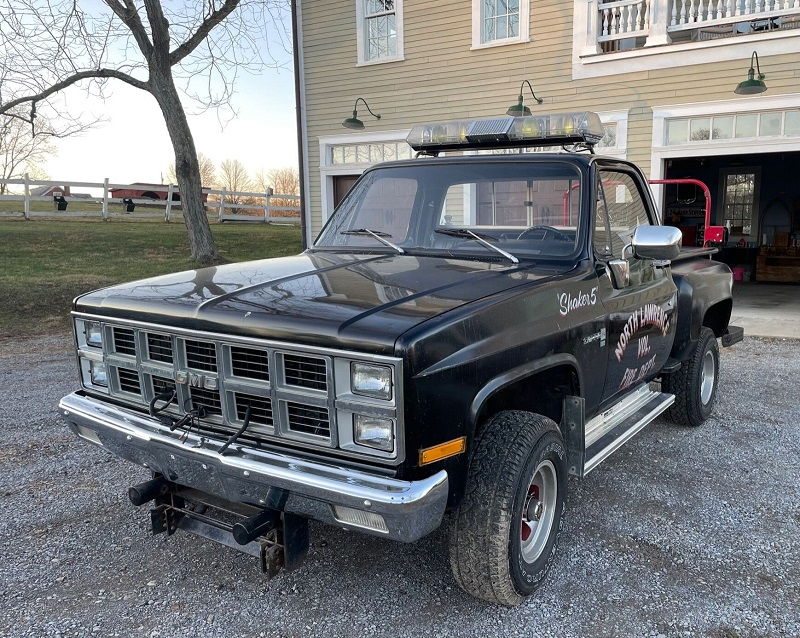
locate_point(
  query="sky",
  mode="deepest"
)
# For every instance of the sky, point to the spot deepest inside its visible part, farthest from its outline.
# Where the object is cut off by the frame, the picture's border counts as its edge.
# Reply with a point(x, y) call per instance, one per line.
point(132, 144)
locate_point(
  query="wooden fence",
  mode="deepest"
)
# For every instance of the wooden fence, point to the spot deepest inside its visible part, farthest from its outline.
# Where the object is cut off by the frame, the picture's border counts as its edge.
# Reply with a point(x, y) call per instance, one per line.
point(221, 205)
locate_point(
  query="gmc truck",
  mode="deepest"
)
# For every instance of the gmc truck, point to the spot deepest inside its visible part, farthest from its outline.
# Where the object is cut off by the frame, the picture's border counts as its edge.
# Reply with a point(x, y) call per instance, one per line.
point(468, 330)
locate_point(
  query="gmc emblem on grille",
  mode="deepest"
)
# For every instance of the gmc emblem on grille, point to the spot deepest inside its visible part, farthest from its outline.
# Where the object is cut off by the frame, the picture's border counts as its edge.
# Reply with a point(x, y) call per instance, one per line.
point(194, 380)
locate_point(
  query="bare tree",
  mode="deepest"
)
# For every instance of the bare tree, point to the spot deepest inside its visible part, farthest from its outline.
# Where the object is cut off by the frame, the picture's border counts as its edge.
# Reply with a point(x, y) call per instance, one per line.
point(284, 181)
point(21, 151)
point(47, 46)
point(233, 176)
point(208, 171)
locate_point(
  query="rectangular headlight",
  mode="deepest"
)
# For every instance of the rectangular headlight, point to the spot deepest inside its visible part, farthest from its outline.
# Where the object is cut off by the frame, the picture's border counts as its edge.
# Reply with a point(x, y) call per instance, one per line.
point(93, 332)
point(98, 373)
point(373, 432)
point(371, 380)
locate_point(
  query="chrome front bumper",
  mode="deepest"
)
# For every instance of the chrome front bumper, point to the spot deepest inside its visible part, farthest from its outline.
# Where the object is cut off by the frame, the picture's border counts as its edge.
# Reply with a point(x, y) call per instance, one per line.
point(410, 509)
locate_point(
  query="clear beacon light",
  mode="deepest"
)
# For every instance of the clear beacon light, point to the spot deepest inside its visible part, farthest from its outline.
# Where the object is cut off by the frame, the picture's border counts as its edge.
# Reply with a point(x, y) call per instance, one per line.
point(583, 127)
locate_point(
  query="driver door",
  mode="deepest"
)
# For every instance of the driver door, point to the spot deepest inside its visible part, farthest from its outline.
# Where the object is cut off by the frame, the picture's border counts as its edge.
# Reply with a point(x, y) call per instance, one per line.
point(638, 294)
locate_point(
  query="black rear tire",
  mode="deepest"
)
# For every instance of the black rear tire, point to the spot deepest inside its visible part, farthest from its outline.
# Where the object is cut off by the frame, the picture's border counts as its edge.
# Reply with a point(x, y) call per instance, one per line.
point(489, 551)
point(694, 394)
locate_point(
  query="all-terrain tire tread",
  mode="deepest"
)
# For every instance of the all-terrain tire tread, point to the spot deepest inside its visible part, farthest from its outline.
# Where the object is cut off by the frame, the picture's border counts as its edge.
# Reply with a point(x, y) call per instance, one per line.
point(685, 410)
point(483, 518)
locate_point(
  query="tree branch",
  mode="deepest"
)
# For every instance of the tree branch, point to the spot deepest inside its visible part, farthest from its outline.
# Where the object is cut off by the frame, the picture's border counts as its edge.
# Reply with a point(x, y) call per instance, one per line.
point(77, 77)
point(17, 116)
point(159, 27)
point(203, 30)
point(130, 18)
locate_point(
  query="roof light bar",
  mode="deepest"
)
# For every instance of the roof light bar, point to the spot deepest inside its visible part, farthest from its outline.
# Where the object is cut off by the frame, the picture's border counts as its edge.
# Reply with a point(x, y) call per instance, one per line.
point(555, 129)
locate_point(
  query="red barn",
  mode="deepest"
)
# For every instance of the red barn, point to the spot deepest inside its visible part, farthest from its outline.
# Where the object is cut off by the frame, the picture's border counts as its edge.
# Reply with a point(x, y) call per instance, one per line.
point(139, 190)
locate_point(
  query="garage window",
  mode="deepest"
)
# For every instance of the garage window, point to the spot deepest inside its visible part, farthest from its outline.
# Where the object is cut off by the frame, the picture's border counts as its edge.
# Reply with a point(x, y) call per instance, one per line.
point(739, 199)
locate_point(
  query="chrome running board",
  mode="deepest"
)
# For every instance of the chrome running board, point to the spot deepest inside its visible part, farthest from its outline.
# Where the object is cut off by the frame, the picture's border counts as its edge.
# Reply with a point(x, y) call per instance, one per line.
point(609, 431)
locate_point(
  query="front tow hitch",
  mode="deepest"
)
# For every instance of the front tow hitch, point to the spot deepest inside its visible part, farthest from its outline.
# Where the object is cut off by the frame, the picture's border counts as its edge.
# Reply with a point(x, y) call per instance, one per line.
point(278, 539)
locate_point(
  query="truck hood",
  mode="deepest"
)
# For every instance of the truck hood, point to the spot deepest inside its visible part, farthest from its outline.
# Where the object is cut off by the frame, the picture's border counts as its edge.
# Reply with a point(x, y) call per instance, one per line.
point(355, 301)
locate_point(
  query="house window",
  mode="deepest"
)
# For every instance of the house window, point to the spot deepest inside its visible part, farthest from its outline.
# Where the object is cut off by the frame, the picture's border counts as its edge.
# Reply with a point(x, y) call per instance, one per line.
point(739, 200)
point(496, 22)
point(368, 152)
point(500, 20)
point(380, 30)
point(609, 137)
point(715, 128)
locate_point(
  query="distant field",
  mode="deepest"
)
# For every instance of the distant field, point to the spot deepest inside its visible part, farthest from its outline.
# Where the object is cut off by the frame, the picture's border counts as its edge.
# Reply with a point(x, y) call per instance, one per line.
point(45, 264)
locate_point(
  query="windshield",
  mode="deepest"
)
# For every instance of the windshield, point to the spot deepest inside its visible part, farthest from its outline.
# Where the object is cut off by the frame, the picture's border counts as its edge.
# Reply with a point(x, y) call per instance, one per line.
point(528, 209)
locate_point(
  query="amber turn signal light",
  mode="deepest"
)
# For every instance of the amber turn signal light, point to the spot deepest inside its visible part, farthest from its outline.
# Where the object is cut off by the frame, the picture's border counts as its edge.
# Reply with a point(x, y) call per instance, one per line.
point(442, 451)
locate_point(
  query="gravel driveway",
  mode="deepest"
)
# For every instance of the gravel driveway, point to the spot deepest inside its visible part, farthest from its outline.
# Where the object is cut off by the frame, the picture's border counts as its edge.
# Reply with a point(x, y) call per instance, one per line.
point(683, 532)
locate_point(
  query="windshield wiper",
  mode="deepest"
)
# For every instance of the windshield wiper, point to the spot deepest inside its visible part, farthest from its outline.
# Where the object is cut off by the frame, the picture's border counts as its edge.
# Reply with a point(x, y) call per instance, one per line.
point(464, 233)
point(377, 234)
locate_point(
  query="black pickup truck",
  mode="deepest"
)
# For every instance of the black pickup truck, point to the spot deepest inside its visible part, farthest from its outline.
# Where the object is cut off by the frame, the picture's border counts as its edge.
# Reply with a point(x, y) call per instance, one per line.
point(465, 333)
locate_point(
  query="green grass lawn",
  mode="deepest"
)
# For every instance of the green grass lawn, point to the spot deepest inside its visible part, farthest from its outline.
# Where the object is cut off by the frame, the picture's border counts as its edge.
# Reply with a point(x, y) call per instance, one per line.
point(45, 264)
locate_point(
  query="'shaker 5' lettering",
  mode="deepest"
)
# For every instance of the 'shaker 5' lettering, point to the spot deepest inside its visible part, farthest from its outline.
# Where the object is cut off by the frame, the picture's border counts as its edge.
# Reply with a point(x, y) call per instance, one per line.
point(567, 302)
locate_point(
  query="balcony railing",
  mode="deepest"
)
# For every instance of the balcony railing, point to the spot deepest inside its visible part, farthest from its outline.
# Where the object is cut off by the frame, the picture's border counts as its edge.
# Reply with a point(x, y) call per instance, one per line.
point(693, 14)
point(624, 19)
point(630, 24)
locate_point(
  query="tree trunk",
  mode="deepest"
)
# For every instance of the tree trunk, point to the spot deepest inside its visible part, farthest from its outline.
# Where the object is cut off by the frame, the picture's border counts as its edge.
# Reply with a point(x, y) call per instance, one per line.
point(187, 168)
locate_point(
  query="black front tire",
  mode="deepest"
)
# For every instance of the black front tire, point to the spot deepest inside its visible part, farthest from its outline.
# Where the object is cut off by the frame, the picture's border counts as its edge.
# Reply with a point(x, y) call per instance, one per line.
point(486, 553)
point(693, 404)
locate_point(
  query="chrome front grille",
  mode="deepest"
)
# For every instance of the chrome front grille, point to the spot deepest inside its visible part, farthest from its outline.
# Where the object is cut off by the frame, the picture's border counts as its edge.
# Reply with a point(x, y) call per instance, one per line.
point(207, 402)
point(260, 408)
point(308, 419)
point(201, 355)
point(161, 386)
point(250, 363)
point(222, 380)
point(305, 372)
point(129, 381)
point(159, 347)
point(124, 341)
point(293, 394)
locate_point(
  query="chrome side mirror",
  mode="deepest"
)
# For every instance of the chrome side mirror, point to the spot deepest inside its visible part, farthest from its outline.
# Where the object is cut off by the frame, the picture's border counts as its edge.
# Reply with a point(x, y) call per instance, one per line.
point(657, 242)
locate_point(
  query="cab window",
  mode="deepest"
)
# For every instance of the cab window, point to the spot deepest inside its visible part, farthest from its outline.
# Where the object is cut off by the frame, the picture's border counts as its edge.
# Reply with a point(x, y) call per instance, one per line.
point(529, 208)
point(387, 206)
point(513, 204)
point(620, 209)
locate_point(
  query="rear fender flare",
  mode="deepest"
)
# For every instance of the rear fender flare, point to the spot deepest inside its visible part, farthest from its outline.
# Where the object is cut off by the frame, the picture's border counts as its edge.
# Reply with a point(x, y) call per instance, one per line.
point(692, 307)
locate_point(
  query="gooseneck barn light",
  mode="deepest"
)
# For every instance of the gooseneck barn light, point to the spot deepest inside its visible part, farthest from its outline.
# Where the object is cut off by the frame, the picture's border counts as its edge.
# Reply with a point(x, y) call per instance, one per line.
point(519, 109)
point(752, 85)
point(353, 122)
